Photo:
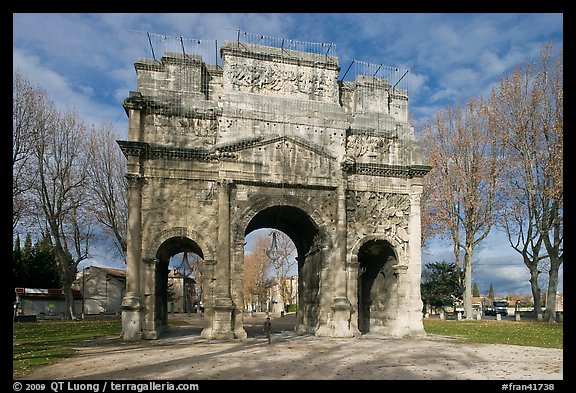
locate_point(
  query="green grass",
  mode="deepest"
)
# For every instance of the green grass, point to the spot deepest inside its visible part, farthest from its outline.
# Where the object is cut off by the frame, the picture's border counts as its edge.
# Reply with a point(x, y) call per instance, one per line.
point(36, 344)
point(526, 333)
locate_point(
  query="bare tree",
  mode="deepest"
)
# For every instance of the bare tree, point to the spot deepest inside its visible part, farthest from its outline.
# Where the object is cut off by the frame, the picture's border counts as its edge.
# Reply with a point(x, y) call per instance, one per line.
point(465, 157)
point(528, 114)
point(29, 106)
point(256, 266)
point(191, 266)
point(59, 192)
point(280, 253)
point(513, 109)
point(108, 185)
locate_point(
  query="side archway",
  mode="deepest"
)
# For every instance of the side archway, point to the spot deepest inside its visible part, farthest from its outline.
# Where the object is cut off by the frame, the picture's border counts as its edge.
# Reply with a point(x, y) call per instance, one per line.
point(377, 259)
point(165, 245)
point(178, 232)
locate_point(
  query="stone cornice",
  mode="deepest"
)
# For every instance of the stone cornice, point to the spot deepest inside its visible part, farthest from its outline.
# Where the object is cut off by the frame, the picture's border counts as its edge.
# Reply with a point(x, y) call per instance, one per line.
point(264, 53)
point(261, 141)
point(146, 151)
point(173, 107)
point(383, 133)
point(385, 170)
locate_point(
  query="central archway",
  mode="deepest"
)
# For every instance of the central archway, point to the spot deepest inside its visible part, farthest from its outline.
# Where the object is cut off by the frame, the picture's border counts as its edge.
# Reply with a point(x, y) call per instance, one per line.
point(306, 235)
point(292, 221)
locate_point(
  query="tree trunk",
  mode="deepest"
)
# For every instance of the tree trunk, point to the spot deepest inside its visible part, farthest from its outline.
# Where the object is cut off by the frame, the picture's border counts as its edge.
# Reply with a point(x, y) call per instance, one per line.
point(468, 284)
point(535, 290)
point(550, 313)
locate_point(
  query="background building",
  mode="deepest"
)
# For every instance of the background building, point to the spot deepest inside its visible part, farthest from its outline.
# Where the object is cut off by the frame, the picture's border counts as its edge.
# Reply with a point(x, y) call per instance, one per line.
point(102, 289)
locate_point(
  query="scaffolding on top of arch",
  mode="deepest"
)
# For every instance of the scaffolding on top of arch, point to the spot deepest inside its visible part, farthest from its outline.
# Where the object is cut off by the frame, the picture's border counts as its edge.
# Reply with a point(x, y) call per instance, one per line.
point(380, 92)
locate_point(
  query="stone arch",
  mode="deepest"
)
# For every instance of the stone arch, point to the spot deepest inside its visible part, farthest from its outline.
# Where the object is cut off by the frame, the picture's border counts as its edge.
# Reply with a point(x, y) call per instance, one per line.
point(394, 242)
point(183, 232)
point(377, 258)
point(160, 249)
point(245, 217)
point(311, 248)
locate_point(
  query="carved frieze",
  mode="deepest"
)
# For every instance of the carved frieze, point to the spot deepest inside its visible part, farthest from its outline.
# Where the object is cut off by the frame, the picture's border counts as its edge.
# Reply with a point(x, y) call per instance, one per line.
point(378, 212)
point(198, 127)
point(280, 79)
point(373, 148)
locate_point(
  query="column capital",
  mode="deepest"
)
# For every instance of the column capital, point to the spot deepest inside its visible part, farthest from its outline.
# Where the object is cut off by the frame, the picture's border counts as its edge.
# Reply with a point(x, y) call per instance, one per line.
point(400, 269)
point(353, 264)
point(239, 245)
point(415, 198)
point(347, 164)
point(150, 261)
point(224, 182)
point(134, 179)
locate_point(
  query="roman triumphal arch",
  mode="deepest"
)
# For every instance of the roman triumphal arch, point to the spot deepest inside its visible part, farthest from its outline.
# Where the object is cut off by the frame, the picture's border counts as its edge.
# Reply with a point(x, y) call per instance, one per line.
point(272, 137)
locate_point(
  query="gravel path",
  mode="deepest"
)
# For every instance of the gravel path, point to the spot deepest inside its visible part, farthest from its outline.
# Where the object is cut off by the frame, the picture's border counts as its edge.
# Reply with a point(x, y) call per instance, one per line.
point(182, 355)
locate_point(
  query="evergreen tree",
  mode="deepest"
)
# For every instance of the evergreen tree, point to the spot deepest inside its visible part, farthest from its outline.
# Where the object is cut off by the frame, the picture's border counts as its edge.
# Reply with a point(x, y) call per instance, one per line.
point(35, 266)
point(491, 291)
point(475, 291)
point(441, 284)
point(25, 263)
point(17, 263)
point(47, 274)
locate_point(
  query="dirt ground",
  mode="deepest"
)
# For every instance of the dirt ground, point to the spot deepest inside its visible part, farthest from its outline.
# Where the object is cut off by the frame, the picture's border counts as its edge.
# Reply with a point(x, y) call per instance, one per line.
point(182, 355)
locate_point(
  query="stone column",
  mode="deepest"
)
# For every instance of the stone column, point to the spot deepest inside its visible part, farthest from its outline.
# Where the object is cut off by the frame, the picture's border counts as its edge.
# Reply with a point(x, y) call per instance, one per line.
point(131, 304)
point(237, 293)
point(151, 326)
point(414, 298)
point(135, 105)
point(352, 273)
point(209, 283)
point(399, 327)
point(222, 306)
point(341, 308)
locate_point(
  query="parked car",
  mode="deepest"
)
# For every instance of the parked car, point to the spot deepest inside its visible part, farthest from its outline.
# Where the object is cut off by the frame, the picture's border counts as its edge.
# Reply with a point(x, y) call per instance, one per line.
point(498, 307)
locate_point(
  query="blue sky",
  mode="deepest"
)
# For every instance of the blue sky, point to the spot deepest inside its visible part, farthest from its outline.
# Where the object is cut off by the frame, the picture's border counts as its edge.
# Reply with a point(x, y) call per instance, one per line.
point(86, 63)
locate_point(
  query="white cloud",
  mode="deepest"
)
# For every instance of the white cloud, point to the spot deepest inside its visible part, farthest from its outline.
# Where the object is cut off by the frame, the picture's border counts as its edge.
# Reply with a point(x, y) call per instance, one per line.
point(416, 82)
point(444, 94)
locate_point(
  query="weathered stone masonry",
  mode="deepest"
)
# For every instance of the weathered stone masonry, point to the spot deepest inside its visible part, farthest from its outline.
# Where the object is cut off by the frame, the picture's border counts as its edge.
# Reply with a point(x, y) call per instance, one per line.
point(272, 139)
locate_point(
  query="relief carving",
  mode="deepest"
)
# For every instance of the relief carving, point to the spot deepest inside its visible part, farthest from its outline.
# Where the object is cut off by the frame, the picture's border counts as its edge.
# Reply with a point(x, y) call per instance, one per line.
point(207, 196)
point(198, 127)
point(254, 77)
point(378, 212)
point(374, 147)
point(277, 79)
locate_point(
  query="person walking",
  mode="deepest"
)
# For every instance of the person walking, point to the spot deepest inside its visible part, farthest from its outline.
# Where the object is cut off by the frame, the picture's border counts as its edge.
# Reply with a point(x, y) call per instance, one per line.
point(268, 329)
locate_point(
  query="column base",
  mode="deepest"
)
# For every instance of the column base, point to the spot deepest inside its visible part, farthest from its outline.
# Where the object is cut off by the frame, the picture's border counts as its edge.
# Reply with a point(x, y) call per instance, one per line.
point(131, 319)
point(220, 315)
point(339, 326)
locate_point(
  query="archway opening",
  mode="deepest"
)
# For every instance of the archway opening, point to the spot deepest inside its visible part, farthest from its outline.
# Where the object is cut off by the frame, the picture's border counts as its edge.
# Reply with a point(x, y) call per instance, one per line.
point(376, 284)
point(270, 272)
point(303, 289)
point(178, 283)
point(293, 221)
